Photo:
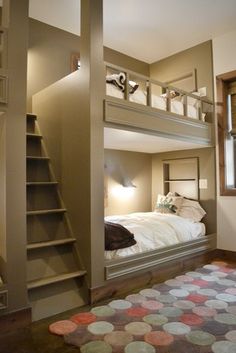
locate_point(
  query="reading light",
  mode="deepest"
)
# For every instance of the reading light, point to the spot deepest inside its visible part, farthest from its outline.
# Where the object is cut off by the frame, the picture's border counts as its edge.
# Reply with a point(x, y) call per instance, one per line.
point(127, 183)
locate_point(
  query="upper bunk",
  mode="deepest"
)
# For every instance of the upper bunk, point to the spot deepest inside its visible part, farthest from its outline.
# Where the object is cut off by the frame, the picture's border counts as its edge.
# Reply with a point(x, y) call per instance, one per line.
point(145, 104)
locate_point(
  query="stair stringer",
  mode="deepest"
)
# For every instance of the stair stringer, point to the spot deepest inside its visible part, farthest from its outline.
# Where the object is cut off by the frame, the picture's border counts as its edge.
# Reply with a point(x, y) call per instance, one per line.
point(64, 292)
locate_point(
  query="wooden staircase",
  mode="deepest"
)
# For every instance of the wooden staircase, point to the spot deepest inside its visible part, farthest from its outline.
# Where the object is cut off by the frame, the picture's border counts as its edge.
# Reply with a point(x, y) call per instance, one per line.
point(55, 278)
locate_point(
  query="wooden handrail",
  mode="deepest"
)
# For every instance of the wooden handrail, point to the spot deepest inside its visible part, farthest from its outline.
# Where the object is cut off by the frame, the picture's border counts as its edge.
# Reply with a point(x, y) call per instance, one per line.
point(157, 83)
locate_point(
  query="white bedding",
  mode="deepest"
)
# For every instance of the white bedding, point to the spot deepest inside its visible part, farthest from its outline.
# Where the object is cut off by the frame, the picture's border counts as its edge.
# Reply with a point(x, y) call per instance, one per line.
point(158, 102)
point(153, 230)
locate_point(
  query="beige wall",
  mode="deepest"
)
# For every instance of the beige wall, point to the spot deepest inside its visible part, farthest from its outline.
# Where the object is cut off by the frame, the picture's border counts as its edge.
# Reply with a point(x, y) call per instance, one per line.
point(224, 53)
point(50, 49)
point(12, 159)
point(134, 166)
point(207, 171)
point(70, 114)
point(198, 57)
point(48, 56)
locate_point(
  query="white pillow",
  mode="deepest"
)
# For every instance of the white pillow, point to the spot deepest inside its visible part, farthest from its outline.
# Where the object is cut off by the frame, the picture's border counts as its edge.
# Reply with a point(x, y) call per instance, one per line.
point(199, 93)
point(193, 101)
point(192, 210)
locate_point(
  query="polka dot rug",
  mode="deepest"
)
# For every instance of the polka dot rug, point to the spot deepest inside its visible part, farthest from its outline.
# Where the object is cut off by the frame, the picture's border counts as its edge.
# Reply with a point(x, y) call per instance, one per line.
point(192, 313)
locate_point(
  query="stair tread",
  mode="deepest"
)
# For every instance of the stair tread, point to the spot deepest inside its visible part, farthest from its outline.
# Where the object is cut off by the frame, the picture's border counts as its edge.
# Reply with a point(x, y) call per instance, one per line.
point(32, 116)
point(53, 210)
point(54, 279)
point(44, 244)
point(36, 183)
point(29, 134)
point(38, 157)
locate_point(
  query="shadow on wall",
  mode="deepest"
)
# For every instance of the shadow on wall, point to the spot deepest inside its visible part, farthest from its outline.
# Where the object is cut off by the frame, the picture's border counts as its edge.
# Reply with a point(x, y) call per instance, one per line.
point(119, 174)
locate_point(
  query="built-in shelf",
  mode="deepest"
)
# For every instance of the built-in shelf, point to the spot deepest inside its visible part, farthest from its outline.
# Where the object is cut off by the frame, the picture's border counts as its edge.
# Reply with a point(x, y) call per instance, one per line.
point(32, 135)
point(37, 158)
point(42, 212)
point(178, 180)
point(45, 244)
point(41, 183)
point(181, 176)
point(54, 279)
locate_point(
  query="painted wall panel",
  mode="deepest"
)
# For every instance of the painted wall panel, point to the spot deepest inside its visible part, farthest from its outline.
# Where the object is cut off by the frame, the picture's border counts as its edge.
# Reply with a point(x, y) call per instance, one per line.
point(121, 166)
point(206, 171)
point(224, 53)
point(198, 57)
point(49, 54)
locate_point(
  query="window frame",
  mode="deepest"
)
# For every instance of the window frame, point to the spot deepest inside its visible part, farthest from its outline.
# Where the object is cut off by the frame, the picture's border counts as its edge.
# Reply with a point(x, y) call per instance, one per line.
point(221, 109)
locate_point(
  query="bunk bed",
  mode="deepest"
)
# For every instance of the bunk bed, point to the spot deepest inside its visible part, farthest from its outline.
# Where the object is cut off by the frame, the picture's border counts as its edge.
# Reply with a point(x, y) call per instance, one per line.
point(165, 240)
point(139, 102)
point(127, 113)
point(153, 230)
point(162, 238)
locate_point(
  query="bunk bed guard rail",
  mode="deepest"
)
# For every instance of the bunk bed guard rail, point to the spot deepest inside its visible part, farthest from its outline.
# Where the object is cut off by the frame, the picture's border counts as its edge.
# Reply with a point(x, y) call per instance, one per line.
point(153, 87)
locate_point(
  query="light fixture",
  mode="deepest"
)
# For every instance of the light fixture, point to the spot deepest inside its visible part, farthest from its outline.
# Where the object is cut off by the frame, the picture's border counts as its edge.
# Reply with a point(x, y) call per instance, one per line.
point(127, 183)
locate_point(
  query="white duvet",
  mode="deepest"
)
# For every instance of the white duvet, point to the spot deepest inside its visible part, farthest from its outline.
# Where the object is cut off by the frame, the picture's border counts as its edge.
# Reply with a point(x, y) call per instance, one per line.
point(158, 102)
point(153, 230)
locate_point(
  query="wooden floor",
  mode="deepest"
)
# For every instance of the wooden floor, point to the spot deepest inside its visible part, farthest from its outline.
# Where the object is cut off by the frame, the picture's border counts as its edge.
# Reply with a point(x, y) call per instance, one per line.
point(37, 339)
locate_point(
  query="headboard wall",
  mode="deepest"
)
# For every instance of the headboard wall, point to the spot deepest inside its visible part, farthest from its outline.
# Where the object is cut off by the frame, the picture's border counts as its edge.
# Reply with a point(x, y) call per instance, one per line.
point(206, 170)
point(181, 175)
point(186, 81)
point(197, 59)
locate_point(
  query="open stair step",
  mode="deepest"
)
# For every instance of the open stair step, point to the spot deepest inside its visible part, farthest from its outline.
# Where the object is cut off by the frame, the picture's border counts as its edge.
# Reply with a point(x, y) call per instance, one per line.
point(37, 158)
point(33, 135)
point(42, 212)
point(44, 244)
point(41, 183)
point(31, 116)
point(54, 279)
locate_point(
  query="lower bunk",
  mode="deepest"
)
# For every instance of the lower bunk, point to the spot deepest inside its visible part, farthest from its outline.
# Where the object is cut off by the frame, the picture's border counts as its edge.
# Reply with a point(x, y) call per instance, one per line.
point(134, 272)
point(165, 255)
point(163, 244)
point(138, 241)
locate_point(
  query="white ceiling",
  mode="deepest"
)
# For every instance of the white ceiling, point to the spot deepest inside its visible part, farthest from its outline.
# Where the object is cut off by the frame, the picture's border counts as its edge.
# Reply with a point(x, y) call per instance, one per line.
point(117, 139)
point(147, 30)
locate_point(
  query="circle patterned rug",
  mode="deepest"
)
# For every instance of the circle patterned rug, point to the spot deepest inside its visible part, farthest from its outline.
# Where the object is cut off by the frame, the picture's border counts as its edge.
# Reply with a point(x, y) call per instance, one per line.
point(192, 313)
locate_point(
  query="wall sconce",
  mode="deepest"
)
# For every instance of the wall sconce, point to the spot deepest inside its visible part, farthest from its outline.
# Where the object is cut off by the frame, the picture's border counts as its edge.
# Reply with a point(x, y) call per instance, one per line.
point(127, 183)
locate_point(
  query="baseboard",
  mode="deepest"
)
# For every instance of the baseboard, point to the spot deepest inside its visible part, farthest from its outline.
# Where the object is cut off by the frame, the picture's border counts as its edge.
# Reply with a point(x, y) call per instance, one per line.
point(226, 255)
point(122, 286)
point(15, 320)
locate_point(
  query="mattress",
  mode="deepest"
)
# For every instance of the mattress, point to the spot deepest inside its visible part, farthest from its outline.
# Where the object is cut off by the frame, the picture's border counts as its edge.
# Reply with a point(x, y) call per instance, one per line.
point(153, 230)
point(158, 102)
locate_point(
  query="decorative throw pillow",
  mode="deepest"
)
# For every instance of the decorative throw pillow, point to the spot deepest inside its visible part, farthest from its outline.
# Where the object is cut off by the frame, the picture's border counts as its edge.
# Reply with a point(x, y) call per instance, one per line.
point(168, 204)
point(192, 210)
point(118, 80)
point(171, 94)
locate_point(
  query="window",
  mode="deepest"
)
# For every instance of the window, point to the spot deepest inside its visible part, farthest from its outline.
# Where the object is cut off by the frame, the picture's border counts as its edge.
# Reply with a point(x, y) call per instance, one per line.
point(226, 116)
